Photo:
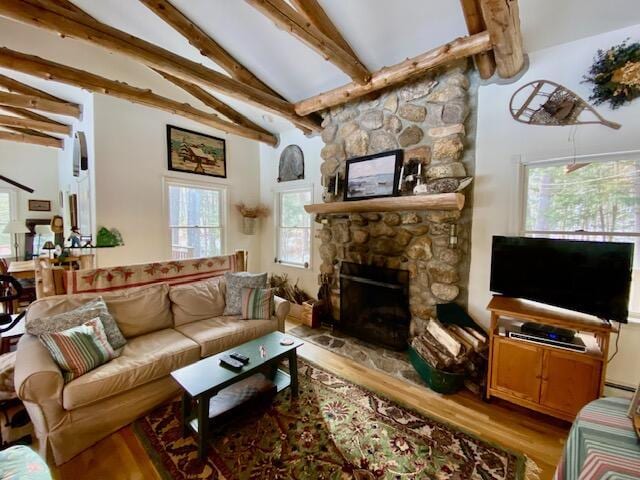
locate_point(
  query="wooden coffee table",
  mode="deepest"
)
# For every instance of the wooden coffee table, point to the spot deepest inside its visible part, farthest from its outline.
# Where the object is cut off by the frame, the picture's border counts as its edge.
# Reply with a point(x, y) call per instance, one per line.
point(215, 389)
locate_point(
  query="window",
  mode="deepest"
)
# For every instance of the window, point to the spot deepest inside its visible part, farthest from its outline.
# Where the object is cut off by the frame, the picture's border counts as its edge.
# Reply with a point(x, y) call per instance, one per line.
point(6, 210)
point(195, 221)
point(597, 201)
point(293, 245)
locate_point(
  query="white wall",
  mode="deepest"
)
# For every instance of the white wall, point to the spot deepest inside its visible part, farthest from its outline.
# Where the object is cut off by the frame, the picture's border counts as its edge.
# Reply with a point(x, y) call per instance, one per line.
point(501, 142)
point(131, 162)
point(33, 166)
point(269, 159)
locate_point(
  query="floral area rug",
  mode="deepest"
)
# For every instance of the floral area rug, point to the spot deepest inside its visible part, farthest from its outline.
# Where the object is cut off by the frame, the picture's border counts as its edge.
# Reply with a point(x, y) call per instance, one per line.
point(333, 430)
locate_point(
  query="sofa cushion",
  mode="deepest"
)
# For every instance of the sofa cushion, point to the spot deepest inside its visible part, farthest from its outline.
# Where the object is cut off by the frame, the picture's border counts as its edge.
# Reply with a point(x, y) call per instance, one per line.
point(196, 301)
point(218, 334)
point(80, 349)
point(257, 303)
point(235, 282)
point(141, 310)
point(136, 310)
point(77, 316)
point(142, 360)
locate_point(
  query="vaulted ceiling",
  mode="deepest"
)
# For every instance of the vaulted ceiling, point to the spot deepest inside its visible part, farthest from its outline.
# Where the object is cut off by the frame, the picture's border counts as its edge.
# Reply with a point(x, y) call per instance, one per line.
point(380, 32)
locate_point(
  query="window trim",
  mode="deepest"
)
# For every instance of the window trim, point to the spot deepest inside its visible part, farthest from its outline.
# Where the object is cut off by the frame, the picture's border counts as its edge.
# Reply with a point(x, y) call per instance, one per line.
point(13, 210)
point(523, 186)
point(277, 192)
point(168, 181)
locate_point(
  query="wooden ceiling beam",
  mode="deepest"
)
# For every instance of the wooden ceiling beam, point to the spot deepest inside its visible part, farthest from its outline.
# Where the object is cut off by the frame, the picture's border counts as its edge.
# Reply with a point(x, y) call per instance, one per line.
point(399, 73)
point(39, 103)
point(288, 19)
point(213, 102)
point(24, 113)
point(316, 15)
point(209, 48)
point(48, 70)
point(66, 4)
point(502, 18)
point(77, 25)
point(485, 62)
point(45, 141)
point(11, 121)
point(15, 86)
point(206, 45)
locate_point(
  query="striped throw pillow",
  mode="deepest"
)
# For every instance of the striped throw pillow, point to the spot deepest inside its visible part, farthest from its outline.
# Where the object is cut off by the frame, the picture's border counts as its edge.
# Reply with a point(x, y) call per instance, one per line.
point(257, 303)
point(79, 349)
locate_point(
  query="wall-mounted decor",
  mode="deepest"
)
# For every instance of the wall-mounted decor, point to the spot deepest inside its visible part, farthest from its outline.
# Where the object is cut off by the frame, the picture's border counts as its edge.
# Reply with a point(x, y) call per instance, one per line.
point(80, 155)
point(373, 176)
point(544, 102)
point(615, 74)
point(73, 210)
point(291, 166)
point(39, 205)
point(194, 152)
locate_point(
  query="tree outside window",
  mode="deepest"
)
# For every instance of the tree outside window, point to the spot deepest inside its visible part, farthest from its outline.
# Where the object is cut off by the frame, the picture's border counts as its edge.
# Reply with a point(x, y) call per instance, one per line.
point(195, 221)
point(294, 228)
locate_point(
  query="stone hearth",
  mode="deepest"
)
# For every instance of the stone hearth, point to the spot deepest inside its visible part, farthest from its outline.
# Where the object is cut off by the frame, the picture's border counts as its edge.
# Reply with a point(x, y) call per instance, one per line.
point(394, 363)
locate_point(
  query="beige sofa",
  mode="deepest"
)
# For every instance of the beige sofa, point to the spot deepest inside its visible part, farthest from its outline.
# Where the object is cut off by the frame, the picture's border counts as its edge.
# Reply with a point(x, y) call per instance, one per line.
point(162, 335)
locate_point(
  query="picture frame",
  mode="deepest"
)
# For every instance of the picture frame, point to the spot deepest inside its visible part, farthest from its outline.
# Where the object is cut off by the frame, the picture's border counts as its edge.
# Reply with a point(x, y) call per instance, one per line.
point(39, 205)
point(193, 152)
point(373, 176)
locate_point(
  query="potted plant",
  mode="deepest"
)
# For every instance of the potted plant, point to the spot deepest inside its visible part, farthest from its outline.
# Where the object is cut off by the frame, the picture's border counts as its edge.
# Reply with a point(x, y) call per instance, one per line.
point(250, 216)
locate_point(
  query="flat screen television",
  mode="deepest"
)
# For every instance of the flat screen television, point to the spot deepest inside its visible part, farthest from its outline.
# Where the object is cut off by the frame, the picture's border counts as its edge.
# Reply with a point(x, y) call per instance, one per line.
point(588, 277)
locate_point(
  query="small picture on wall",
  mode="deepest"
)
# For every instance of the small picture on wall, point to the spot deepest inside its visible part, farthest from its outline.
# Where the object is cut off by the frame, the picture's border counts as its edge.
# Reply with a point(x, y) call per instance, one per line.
point(373, 176)
point(39, 206)
point(194, 152)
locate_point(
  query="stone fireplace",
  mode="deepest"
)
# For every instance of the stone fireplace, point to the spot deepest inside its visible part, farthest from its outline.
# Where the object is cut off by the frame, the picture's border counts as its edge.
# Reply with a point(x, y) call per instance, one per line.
point(430, 120)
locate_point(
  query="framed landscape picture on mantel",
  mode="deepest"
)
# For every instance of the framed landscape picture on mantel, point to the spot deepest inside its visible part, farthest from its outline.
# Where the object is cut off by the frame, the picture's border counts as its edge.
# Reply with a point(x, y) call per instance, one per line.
point(373, 176)
point(194, 152)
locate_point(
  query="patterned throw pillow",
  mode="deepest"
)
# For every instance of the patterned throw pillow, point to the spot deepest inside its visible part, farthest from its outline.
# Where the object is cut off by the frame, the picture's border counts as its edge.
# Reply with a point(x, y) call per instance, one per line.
point(257, 303)
point(79, 349)
point(235, 283)
point(73, 318)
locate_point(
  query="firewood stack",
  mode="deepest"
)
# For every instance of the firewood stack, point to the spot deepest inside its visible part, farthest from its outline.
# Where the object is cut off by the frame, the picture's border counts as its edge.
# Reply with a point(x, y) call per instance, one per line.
point(455, 349)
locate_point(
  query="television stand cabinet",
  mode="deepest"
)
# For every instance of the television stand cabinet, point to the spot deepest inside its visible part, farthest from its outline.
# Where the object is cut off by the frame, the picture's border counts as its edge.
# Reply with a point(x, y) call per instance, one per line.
point(544, 378)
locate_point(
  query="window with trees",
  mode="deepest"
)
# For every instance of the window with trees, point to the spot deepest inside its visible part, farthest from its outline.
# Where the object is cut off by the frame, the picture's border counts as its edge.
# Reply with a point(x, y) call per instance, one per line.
point(293, 244)
point(598, 200)
point(6, 242)
point(196, 217)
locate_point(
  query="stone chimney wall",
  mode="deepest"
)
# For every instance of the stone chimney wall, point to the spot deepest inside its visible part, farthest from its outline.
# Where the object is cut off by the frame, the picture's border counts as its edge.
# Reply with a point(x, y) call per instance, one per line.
point(430, 120)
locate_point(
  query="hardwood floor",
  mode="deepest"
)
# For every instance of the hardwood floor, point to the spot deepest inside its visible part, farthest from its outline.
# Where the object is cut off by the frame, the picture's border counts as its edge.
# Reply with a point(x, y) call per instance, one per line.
point(121, 456)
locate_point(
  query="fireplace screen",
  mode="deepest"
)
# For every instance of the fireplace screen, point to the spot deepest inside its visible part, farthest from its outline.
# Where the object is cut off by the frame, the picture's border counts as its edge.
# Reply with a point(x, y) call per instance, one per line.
point(374, 304)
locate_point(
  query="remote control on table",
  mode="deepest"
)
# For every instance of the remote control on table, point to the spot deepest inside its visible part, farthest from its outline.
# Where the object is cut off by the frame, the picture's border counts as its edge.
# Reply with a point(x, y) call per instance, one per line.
point(239, 357)
point(227, 361)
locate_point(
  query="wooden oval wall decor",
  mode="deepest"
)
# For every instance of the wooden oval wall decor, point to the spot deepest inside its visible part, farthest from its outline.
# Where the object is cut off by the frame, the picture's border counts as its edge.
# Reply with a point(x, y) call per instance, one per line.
point(291, 165)
point(544, 102)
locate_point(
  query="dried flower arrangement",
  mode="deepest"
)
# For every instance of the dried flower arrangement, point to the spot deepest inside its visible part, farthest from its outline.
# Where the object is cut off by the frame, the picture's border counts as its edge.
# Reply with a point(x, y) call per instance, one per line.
point(258, 211)
point(615, 74)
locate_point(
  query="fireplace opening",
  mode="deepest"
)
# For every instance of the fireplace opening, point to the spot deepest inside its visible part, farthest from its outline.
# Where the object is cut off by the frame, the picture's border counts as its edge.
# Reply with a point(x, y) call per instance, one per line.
point(374, 304)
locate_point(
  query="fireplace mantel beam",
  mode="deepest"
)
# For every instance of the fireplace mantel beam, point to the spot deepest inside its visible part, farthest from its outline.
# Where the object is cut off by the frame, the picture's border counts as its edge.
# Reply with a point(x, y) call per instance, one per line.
point(442, 201)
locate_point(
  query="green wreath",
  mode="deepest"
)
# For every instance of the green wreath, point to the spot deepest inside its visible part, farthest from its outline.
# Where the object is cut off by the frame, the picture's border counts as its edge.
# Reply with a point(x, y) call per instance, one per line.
point(616, 74)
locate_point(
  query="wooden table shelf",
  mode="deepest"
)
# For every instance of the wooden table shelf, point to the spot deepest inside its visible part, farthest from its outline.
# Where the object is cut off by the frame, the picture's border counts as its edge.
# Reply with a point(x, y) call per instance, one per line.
point(441, 201)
